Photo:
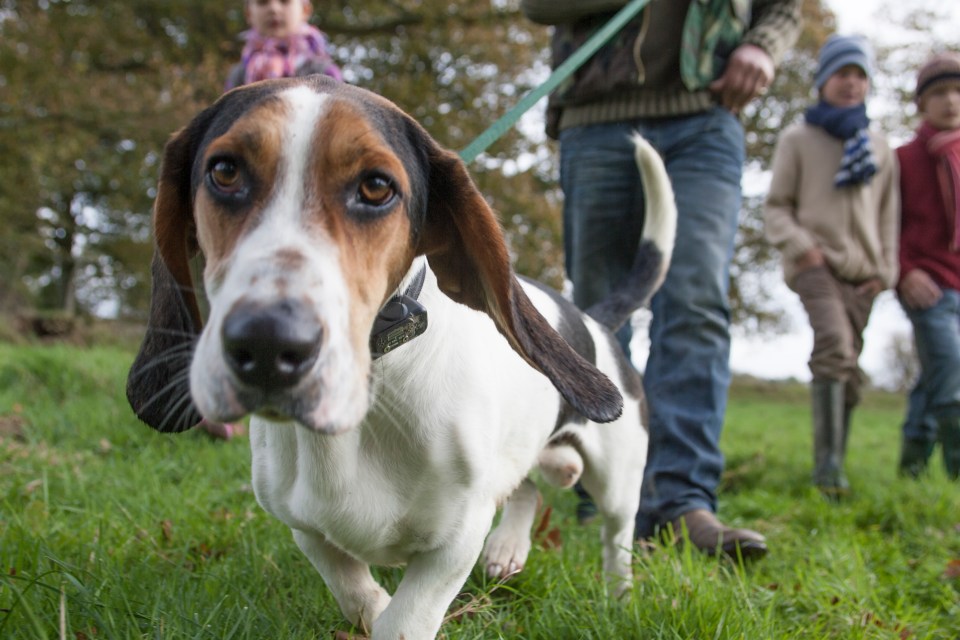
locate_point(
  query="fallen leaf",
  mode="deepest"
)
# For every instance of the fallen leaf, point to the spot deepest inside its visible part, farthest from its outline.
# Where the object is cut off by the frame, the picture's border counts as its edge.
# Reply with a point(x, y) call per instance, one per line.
point(546, 536)
point(13, 427)
point(544, 522)
point(952, 571)
point(32, 486)
point(166, 528)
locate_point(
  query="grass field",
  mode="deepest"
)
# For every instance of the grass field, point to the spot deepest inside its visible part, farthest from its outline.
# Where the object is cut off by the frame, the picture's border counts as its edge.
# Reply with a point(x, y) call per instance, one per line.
point(109, 530)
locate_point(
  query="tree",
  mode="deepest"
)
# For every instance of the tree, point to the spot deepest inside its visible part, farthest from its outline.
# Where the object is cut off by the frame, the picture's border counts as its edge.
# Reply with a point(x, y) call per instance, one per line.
point(891, 105)
point(92, 88)
point(754, 264)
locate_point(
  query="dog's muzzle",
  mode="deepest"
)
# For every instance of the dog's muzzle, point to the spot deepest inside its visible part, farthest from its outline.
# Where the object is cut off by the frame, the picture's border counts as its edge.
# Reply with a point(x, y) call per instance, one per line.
point(271, 348)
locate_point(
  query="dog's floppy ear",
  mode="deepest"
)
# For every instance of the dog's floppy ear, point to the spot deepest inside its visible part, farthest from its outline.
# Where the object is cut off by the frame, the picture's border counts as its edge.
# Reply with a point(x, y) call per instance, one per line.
point(158, 386)
point(465, 246)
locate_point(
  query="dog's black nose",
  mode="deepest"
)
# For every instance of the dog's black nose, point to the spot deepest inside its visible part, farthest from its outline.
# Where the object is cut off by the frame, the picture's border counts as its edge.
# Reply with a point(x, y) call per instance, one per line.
point(271, 347)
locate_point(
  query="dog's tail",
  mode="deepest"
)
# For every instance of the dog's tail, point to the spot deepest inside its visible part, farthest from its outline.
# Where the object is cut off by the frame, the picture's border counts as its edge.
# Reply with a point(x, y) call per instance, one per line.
point(656, 244)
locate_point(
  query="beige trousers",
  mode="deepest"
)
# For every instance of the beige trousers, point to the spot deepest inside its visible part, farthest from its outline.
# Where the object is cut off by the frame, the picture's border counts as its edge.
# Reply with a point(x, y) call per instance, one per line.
point(838, 316)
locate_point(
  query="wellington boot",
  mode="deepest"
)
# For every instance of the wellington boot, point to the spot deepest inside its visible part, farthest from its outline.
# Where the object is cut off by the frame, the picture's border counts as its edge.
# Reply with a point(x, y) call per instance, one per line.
point(914, 457)
point(828, 438)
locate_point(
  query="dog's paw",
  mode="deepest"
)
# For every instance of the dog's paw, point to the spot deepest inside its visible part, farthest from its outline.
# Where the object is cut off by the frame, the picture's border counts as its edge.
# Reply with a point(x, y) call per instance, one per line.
point(364, 609)
point(505, 553)
point(561, 465)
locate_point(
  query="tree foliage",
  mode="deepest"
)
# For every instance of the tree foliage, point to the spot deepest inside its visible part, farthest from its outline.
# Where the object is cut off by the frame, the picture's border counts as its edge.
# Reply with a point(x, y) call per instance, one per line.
point(91, 89)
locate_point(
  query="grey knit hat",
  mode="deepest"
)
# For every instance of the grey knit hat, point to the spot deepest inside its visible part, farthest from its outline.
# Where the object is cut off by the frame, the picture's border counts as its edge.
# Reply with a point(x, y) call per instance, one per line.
point(942, 66)
point(839, 51)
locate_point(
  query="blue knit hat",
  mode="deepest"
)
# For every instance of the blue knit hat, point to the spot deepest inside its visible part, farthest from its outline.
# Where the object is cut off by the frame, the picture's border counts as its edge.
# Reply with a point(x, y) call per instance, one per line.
point(838, 52)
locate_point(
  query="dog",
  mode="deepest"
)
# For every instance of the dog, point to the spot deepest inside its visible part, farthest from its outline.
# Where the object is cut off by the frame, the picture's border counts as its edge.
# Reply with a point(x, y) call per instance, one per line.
point(324, 266)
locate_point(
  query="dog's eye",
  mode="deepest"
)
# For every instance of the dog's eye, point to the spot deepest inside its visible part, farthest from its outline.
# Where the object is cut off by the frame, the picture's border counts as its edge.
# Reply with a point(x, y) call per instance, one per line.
point(375, 190)
point(225, 176)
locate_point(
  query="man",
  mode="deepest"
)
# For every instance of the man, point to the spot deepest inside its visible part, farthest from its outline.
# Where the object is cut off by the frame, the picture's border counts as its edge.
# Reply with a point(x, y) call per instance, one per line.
point(679, 73)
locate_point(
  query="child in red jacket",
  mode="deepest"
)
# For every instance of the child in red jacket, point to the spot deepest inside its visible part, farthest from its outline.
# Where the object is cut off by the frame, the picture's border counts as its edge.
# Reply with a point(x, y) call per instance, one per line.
point(929, 287)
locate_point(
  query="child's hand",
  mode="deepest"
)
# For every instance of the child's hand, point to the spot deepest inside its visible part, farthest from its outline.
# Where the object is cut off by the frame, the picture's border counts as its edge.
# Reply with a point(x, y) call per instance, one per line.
point(918, 290)
point(809, 259)
point(870, 288)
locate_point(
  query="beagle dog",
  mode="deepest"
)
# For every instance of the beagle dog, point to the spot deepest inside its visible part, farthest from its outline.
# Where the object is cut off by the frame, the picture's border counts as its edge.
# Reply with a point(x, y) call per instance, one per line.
point(357, 301)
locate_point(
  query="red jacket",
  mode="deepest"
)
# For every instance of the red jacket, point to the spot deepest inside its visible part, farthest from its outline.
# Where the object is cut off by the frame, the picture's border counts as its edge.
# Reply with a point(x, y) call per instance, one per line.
point(925, 228)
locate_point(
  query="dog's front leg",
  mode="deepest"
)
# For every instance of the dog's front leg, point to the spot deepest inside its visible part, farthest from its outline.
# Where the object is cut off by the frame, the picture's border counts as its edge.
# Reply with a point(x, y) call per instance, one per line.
point(508, 545)
point(360, 597)
point(433, 579)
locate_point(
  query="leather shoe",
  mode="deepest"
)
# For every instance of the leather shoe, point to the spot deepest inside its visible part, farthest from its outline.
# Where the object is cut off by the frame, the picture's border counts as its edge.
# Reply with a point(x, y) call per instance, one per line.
point(711, 536)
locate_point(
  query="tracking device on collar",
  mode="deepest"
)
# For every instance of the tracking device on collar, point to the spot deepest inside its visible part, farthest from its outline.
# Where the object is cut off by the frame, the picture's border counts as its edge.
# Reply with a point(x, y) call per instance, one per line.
point(401, 320)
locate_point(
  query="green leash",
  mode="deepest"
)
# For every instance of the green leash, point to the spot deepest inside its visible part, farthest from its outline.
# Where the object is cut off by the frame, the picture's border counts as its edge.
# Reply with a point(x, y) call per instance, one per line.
point(561, 73)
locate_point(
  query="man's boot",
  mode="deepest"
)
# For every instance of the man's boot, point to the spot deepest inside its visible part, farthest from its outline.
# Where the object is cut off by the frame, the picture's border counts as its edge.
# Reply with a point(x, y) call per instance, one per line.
point(914, 457)
point(948, 433)
point(712, 537)
point(828, 438)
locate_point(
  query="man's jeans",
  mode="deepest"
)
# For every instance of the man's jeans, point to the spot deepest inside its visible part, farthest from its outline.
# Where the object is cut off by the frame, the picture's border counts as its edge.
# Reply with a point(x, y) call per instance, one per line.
point(936, 333)
point(687, 374)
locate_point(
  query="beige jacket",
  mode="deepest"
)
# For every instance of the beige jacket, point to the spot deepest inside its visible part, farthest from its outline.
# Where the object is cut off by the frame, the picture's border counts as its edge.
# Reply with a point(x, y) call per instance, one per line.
point(856, 228)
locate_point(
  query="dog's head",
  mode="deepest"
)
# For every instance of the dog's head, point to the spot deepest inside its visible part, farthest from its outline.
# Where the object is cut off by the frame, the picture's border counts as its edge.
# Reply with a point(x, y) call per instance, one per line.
point(307, 201)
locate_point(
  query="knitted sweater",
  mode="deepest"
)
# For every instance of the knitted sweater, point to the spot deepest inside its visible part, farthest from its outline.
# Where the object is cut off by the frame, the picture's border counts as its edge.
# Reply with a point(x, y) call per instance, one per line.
point(856, 227)
point(925, 230)
point(661, 63)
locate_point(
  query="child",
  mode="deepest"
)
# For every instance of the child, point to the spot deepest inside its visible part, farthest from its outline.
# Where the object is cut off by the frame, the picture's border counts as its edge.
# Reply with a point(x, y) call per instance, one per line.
point(280, 43)
point(832, 211)
point(929, 287)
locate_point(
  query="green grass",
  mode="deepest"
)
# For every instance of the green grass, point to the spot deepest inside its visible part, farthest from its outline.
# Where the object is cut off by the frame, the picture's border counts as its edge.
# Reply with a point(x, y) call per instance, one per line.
point(121, 532)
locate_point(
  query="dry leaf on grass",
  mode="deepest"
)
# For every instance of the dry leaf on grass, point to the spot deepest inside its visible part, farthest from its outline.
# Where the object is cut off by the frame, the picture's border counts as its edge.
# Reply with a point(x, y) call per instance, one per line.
point(546, 536)
point(952, 572)
point(13, 427)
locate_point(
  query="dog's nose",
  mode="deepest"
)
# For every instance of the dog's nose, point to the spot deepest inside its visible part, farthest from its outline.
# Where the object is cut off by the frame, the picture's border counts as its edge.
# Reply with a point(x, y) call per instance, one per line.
point(271, 347)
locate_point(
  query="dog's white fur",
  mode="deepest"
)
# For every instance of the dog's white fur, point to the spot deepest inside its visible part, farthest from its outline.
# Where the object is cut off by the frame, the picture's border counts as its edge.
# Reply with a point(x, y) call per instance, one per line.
point(407, 457)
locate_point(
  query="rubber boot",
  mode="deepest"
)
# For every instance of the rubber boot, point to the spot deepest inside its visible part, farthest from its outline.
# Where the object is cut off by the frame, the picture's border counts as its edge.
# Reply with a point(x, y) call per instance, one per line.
point(828, 438)
point(847, 415)
point(948, 432)
point(914, 457)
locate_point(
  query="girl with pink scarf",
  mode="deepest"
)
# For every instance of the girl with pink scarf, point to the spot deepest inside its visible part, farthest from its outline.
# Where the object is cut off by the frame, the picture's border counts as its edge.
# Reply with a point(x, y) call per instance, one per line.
point(281, 43)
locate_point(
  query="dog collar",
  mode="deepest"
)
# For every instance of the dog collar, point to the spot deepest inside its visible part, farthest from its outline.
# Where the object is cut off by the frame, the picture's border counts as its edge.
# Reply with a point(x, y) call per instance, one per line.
point(400, 320)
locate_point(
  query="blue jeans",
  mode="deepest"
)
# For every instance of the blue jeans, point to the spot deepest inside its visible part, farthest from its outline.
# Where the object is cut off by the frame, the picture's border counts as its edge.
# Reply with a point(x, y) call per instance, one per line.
point(936, 395)
point(688, 371)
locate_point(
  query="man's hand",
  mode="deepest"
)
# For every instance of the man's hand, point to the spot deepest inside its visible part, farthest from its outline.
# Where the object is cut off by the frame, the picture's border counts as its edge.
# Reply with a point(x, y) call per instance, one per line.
point(918, 290)
point(748, 74)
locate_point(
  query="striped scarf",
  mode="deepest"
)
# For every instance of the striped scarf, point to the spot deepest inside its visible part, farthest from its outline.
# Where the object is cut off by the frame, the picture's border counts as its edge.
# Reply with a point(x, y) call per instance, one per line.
point(278, 58)
point(851, 126)
point(944, 146)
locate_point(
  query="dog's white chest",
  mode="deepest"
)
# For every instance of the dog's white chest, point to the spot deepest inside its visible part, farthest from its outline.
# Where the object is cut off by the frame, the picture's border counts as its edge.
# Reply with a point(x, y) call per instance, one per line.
point(360, 492)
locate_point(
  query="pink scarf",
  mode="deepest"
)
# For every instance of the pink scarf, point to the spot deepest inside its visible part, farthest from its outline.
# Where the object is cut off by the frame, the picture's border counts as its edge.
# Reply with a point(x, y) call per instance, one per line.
point(945, 147)
point(278, 58)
